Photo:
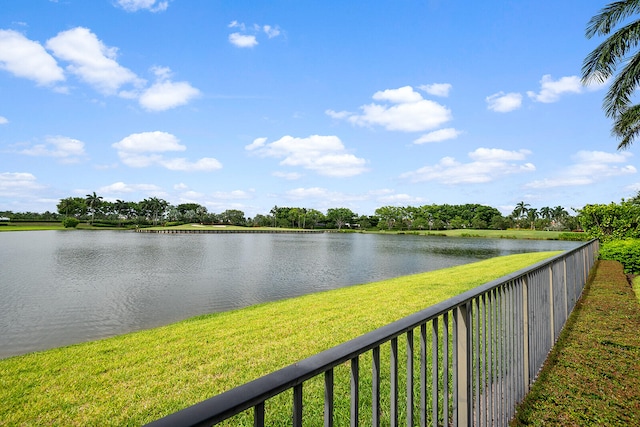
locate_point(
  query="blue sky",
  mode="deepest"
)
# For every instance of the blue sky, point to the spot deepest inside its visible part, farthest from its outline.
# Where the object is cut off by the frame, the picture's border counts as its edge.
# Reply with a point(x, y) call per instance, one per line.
point(250, 104)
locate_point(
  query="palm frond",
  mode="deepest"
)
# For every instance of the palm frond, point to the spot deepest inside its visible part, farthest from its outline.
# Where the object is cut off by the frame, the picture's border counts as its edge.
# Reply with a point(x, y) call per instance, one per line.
point(618, 96)
point(601, 63)
point(612, 14)
point(627, 126)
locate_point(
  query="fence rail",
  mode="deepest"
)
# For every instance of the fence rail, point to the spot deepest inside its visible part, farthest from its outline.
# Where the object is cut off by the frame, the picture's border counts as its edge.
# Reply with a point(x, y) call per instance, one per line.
point(465, 361)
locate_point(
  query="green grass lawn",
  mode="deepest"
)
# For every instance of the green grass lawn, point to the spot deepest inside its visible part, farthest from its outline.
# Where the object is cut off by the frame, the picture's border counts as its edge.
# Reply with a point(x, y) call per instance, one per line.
point(592, 375)
point(136, 378)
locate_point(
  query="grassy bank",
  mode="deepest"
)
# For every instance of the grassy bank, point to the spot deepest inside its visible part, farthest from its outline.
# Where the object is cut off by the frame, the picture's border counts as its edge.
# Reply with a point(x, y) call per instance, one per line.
point(138, 377)
point(592, 375)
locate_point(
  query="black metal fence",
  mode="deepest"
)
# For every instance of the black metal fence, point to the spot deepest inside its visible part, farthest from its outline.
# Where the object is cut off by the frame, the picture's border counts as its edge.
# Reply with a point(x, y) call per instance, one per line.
point(466, 361)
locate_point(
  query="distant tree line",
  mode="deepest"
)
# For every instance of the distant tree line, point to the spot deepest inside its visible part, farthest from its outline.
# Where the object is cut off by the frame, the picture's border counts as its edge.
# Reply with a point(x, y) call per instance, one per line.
point(154, 211)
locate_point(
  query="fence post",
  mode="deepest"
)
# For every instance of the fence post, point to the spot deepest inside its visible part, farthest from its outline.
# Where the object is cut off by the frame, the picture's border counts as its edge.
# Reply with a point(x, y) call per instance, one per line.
point(551, 311)
point(463, 328)
point(525, 331)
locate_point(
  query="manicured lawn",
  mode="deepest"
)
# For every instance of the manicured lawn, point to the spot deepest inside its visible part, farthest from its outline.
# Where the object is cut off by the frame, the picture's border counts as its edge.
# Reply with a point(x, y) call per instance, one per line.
point(592, 376)
point(504, 234)
point(136, 378)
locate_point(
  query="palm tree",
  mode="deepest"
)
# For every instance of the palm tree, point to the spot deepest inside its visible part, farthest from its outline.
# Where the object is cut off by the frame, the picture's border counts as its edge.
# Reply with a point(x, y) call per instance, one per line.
point(521, 210)
point(619, 49)
point(532, 215)
point(93, 202)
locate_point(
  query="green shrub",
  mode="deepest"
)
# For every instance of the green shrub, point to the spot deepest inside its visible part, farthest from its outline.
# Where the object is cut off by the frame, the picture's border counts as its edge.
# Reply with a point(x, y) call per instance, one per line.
point(627, 252)
point(70, 222)
point(576, 237)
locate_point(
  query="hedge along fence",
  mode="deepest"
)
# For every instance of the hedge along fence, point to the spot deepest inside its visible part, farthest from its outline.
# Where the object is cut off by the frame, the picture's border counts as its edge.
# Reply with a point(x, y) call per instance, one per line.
point(627, 252)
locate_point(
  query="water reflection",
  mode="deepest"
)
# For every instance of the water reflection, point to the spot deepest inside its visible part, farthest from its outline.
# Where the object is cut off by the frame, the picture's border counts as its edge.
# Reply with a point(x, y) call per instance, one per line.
point(63, 287)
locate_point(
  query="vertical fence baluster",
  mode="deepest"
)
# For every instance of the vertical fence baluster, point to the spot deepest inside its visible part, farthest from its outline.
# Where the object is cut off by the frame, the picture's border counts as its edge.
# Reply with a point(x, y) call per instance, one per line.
point(483, 384)
point(375, 383)
point(423, 375)
point(464, 365)
point(297, 405)
point(445, 369)
point(394, 382)
point(355, 391)
point(410, 378)
point(435, 345)
point(258, 415)
point(477, 359)
point(328, 398)
point(455, 367)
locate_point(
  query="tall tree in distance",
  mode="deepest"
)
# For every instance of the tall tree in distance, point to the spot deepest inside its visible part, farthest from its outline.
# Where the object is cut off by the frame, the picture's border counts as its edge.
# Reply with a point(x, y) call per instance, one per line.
point(93, 203)
point(620, 49)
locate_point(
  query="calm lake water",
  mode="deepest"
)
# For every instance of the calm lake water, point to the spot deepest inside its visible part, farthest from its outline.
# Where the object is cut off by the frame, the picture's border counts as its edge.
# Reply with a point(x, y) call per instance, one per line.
point(65, 287)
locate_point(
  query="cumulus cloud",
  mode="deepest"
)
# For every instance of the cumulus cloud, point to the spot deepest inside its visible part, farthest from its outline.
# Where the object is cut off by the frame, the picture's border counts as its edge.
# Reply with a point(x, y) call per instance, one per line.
point(165, 94)
point(504, 102)
point(3, 120)
point(247, 36)
point(438, 136)
point(91, 60)
point(551, 90)
point(15, 184)
point(67, 150)
point(122, 188)
point(437, 89)
point(487, 165)
point(402, 109)
point(150, 5)
point(145, 149)
point(242, 40)
point(28, 59)
point(588, 168)
point(94, 63)
point(325, 155)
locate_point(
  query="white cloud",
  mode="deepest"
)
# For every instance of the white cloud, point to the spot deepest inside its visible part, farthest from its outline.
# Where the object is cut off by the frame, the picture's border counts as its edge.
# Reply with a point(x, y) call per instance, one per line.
point(256, 144)
point(68, 150)
point(165, 94)
point(550, 90)
point(323, 198)
point(407, 112)
point(487, 165)
point(232, 195)
point(504, 102)
point(15, 184)
point(270, 31)
point(340, 115)
point(242, 40)
point(438, 136)
point(151, 5)
point(400, 200)
point(325, 155)
point(401, 95)
point(141, 150)
point(437, 89)
point(28, 59)
point(91, 60)
point(149, 142)
point(181, 164)
point(3, 120)
point(588, 167)
point(122, 188)
point(290, 176)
